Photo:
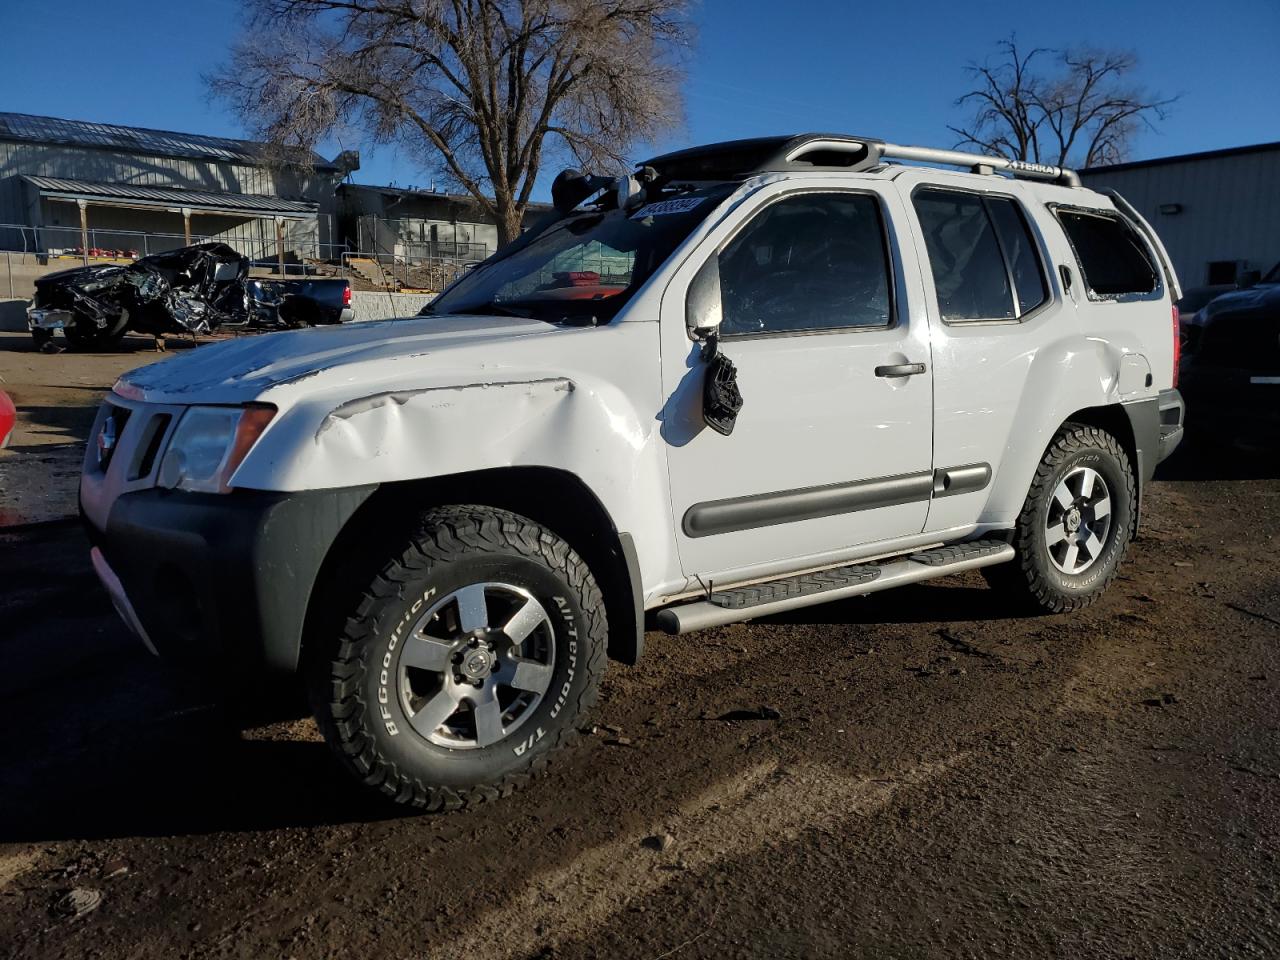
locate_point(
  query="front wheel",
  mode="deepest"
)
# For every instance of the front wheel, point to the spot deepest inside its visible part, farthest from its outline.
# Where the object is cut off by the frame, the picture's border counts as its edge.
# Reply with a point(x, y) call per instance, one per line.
point(466, 663)
point(85, 336)
point(1075, 525)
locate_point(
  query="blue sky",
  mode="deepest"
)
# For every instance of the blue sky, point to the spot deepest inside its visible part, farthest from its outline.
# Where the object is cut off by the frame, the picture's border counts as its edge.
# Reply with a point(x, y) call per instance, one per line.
point(889, 70)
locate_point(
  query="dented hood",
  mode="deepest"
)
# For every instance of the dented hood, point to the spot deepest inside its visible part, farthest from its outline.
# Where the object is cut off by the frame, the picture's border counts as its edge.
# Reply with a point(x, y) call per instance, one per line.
point(351, 358)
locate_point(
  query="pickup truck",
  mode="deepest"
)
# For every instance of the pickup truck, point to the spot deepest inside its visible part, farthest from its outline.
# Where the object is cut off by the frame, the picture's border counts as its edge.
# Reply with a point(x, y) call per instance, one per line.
point(195, 289)
point(745, 379)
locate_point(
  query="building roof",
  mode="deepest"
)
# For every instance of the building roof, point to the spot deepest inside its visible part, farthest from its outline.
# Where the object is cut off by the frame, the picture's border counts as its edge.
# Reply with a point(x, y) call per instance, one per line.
point(109, 136)
point(209, 201)
point(1183, 158)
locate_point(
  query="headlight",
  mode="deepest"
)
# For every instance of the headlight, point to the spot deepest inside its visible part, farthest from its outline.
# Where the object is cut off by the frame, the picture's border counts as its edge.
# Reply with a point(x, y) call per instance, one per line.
point(209, 444)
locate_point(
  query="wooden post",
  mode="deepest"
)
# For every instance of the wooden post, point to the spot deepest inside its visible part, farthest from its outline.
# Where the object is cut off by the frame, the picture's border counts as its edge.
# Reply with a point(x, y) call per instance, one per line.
point(186, 226)
point(280, 243)
point(84, 228)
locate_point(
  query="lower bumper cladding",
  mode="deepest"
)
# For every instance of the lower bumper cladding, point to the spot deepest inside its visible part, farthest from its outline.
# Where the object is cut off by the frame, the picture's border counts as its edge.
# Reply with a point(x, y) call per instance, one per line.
point(120, 599)
point(222, 578)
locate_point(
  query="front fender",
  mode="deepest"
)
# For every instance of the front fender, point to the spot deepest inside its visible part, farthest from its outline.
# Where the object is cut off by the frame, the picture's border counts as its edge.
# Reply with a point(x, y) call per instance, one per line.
point(593, 414)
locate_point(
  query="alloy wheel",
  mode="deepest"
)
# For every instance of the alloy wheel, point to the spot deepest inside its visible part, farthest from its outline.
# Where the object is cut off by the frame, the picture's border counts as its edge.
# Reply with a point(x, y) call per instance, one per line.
point(476, 665)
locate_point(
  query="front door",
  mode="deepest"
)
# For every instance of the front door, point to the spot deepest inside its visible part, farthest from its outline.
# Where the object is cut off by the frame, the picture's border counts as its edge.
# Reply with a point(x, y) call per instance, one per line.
point(833, 447)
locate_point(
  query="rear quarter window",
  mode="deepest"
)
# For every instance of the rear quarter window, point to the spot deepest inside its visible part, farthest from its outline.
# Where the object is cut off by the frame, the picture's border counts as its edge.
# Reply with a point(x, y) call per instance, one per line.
point(1113, 259)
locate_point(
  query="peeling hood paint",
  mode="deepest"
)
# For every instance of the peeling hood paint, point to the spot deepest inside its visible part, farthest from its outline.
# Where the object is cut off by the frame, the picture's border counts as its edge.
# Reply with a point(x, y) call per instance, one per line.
point(266, 367)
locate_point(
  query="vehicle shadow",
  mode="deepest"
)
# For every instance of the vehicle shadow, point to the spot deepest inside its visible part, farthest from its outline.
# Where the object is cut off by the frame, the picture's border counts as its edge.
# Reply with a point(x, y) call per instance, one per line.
point(113, 744)
point(939, 601)
point(54, 423)
point(204, 781)
point(1202, 456)
point(131, 343)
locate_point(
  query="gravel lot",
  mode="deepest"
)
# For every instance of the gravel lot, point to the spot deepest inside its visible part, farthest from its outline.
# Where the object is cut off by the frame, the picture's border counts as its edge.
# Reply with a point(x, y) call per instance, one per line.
point(929, 777)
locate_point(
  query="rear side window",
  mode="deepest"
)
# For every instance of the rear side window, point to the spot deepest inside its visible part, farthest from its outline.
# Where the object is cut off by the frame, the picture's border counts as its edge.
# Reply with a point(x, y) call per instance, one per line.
point(1112, 258)
point(983, 257)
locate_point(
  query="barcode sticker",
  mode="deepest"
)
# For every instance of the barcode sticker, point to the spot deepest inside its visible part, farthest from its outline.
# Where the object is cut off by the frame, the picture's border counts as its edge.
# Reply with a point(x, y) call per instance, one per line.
point(679, 205)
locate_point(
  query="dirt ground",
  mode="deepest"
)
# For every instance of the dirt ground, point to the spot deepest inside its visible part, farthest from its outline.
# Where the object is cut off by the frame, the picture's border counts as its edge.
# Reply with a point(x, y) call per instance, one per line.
point(57, 397)
point(935, 776)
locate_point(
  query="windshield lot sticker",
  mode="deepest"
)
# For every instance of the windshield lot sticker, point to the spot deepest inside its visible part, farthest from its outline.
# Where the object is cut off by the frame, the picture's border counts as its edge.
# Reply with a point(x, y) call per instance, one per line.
point(681, 205)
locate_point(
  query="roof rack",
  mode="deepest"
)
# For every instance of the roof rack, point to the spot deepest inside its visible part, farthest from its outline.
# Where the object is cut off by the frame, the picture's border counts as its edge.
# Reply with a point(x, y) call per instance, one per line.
point(736, 159)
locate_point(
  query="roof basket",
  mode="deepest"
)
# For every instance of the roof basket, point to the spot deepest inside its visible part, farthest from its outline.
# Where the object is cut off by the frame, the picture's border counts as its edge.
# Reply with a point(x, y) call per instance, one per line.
point(737, 159)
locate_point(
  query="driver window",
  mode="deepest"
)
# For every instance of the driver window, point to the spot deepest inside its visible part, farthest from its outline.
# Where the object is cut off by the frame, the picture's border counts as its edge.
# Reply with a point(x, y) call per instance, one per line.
point(810, 262)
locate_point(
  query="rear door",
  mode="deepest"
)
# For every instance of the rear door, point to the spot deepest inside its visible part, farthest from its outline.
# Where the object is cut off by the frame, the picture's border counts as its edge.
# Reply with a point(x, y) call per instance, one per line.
point(995, 306)
point(833, 447)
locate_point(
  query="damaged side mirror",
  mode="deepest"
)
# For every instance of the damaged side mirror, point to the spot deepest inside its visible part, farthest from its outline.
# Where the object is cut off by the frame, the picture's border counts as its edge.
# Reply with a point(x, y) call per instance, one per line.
point(721, 399)
point(702, 307)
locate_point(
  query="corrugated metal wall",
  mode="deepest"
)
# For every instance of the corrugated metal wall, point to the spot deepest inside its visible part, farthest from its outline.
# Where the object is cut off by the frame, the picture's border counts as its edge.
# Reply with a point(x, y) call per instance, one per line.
point(18, 159)
point(1230, 208)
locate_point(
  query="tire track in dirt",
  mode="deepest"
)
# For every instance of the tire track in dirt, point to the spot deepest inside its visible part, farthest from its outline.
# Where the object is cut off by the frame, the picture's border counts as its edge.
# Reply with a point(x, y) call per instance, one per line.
point(768, 803)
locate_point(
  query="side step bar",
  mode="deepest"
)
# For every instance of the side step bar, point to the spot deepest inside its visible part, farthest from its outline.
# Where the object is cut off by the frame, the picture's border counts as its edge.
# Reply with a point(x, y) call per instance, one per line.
point(791, 593)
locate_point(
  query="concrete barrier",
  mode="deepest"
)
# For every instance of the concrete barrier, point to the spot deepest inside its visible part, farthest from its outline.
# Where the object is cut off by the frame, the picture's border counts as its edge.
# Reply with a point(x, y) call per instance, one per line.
point(375, 305)
point(13, 315)
point(20, 271)
point(367, 306)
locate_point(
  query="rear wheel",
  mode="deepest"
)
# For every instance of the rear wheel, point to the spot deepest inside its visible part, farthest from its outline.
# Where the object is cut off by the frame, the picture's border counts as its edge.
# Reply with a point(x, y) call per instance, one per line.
point(1075, 525)
point(466, 663)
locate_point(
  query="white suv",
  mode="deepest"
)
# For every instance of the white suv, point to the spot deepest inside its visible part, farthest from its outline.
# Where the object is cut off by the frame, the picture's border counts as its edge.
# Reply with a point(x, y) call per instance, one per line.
point(751, 377)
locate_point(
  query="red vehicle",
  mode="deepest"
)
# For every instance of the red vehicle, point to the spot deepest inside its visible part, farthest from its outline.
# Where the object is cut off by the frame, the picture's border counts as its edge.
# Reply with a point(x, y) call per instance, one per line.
point(8, 417)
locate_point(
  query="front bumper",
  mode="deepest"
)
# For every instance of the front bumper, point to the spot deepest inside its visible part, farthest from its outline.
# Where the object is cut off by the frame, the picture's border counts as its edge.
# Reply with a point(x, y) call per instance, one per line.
point(48, 318)
point(221, 578)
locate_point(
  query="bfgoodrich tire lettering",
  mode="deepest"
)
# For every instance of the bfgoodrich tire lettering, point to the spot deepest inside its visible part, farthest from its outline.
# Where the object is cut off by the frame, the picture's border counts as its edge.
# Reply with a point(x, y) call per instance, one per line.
point(1082, 462)
point(366, 704)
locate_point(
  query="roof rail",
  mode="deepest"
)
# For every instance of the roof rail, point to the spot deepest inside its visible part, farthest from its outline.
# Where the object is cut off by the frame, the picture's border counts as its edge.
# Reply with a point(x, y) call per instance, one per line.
point(981, 163)
point(830, 152)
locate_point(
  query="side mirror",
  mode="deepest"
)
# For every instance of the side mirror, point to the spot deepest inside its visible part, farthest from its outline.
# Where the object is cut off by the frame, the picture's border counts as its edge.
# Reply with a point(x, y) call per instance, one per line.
point(702, 307)
point(226, 271)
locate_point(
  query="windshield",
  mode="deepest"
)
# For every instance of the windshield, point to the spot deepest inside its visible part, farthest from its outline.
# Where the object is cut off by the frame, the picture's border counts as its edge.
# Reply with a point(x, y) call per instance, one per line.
point(1273, 276)
point(584, 267)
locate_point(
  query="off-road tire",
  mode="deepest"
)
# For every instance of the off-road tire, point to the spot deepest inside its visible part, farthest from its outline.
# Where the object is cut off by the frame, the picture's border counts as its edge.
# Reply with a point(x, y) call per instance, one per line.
point(1032, 579)
point(453, 546)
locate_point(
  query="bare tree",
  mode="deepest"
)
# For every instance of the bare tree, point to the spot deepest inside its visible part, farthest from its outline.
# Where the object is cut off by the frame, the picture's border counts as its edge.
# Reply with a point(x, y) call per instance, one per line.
point(1057, 106)
point(479, 90)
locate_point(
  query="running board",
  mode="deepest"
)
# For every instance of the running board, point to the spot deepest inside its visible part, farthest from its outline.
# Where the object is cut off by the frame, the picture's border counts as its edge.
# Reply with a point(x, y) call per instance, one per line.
point(791, 593)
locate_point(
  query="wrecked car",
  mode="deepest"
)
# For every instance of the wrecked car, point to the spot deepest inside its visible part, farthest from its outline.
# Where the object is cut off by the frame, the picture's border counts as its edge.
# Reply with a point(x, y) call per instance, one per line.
point(196, 289)
point(748, 378)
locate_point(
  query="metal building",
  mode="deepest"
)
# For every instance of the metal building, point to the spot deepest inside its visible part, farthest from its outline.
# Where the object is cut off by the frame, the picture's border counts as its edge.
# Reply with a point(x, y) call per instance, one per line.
point(1217, 212)
point(410, 224)
point(74, 186)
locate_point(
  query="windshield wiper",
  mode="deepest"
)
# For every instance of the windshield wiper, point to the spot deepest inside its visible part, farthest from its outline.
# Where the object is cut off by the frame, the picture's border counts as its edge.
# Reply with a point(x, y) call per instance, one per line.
point(495, 307)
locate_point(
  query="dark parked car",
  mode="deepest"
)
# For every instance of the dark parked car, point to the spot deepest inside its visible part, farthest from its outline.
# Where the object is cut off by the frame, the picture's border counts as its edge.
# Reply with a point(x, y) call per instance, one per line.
point(194, 289)
point(1230, 371)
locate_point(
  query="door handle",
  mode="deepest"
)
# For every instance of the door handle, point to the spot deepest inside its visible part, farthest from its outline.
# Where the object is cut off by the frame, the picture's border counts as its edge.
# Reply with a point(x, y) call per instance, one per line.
point(900, 370)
